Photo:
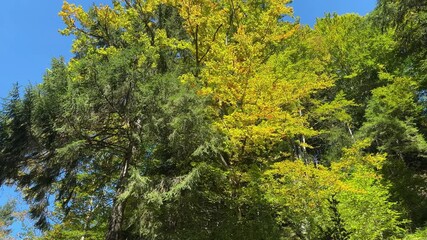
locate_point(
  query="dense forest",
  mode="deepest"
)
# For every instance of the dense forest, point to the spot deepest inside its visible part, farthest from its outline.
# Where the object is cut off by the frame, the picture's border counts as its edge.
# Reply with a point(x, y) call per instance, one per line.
point(225, 119)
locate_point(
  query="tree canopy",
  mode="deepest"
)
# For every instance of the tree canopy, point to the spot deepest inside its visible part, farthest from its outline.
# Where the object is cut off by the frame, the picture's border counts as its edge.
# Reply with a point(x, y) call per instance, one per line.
point(223, 120)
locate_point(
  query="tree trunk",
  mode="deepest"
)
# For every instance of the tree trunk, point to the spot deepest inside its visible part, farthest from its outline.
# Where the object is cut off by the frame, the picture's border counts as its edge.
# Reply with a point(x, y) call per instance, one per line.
point(114, 231)
point(350, 131)
point(116, 219)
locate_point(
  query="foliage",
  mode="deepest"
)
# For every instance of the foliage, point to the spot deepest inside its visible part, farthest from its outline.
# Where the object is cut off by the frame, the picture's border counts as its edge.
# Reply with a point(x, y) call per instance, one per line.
point(312, 200)
point(408, 19)
point(6, 219)
point(391, 117)
point(391, 121)
point(418, 235)
point(222, 120)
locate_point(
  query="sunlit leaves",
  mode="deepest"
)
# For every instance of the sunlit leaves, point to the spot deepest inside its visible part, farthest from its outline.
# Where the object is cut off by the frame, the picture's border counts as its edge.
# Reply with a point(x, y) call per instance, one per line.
point(302, 195)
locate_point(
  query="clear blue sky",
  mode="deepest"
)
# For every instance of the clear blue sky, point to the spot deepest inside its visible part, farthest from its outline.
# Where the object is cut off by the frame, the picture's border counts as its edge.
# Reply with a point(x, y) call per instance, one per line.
point(29, 39)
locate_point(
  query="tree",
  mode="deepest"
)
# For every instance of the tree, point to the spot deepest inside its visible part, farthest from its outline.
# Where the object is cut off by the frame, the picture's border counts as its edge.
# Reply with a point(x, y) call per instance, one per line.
point(15, 138)
point(6, 218)
point(343, 201)
point(391, 121)
point(115, 107)
point(359, 53)
point(403, 103)
point(408, 19)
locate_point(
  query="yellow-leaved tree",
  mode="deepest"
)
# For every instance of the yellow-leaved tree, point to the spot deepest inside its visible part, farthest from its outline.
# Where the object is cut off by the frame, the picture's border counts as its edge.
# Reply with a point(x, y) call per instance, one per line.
point(256, 104)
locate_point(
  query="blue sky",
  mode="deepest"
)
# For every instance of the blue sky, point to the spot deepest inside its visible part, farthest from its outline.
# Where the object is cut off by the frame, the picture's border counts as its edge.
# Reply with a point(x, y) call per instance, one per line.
point(29, 39)
point(309, 10)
